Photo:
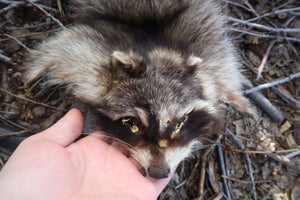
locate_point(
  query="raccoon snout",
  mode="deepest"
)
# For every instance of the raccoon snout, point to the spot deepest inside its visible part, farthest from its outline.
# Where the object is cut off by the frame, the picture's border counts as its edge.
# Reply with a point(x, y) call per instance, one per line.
point(159, 173)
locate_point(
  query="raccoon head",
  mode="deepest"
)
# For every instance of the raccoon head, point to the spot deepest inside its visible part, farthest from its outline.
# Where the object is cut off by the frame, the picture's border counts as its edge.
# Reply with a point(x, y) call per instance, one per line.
point(156, 107)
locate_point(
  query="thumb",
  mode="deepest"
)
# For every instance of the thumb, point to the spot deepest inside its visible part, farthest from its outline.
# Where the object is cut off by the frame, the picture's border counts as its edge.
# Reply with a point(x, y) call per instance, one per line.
point(66, 130)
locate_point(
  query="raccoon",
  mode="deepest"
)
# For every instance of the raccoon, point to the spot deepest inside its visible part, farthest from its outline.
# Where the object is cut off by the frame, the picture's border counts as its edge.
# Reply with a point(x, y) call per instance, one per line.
point(150, 73)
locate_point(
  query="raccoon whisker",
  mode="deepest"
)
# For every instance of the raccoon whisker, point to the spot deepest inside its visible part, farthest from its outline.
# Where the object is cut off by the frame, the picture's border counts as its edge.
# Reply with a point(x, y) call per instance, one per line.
point(196, 148)
point(118, 140)
point(139, 157)
point(106, 135)
point(85, 134)
point(208, 140)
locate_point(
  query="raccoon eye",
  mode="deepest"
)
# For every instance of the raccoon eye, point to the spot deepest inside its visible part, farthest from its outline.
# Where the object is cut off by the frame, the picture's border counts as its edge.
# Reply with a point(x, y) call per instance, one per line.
point(131, 123)
point(179, 126)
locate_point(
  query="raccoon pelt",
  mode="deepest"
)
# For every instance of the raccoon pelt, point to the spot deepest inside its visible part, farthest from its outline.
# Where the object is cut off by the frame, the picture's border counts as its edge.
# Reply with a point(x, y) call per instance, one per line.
point(151, 73)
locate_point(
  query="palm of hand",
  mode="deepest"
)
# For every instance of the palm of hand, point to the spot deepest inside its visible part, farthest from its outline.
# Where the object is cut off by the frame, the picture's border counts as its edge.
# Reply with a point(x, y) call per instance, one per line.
point(49, 166)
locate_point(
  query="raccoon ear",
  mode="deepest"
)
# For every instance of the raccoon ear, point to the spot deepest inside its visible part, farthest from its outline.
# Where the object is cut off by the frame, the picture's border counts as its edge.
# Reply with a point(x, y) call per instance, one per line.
point(194, 60)
point(130, 64)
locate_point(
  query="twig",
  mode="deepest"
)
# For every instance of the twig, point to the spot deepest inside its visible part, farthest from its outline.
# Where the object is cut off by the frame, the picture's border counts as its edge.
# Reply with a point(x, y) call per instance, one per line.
point(172, 185)
point(294, 50)
point(27, 27)
point(29, 100)
point(12, 5)
point(239, 5)
point(241, 146)
point(31, 34)
point(22, 3)
point(180, 184)
point(290, 100)
point(271, 84)
point(47, 14)
point(264, 60)
point(284, 4)
point(203, 166)
point(271, 192)
point(251, 8)
point(263, 35)
point(293, 154)
point(264, 152)
point(243, 181)
point(216, 184)
point(221, 157)
point(284, 160)
point(266, 106)
point(259, 26)
point(295, 13)
point(12, 123)
point(4, 58)
point(14, 133)
point(19, 42)
point(273, 13)
point(61, 11)
point(214, 187)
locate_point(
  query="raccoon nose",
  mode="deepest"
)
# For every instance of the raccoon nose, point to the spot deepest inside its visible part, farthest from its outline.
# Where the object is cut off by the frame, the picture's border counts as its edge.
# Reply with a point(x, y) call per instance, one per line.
point(158, 173)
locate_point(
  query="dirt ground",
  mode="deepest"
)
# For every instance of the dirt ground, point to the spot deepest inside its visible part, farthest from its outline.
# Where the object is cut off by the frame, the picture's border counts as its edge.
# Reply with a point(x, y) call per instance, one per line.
point(254, 158)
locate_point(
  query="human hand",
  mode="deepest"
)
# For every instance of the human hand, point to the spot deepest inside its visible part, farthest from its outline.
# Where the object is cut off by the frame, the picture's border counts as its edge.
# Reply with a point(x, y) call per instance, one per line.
point(50, 165)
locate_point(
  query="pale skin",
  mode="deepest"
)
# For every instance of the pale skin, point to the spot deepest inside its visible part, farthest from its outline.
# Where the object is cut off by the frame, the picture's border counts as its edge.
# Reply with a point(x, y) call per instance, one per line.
point(50, 165)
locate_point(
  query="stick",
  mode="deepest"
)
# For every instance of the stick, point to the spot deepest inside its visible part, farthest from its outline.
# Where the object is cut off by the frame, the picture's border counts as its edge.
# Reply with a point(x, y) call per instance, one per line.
point(266, 106)
point(290, 100)
point(203, 164)
point(13, 4)
point(243, 181)
point(273, 13)
point(47, 14)
point(4, 58)
point(271, 84)
point(214, 182)
point(241, 146)
point(221, 157)
point(29, 100)
point(28, 27)
point(22, 3)
point(13, 123)
point(264, 60)
point(263, 35)
point(19, 42)
point(259, 26)
point(293, 154)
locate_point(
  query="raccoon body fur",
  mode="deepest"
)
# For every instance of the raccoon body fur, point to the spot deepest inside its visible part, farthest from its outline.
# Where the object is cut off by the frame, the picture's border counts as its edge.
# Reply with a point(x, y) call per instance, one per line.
point(150, 73)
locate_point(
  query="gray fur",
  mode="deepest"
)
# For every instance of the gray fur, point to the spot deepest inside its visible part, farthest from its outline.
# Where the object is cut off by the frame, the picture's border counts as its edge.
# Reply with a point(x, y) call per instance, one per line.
point(145, 59)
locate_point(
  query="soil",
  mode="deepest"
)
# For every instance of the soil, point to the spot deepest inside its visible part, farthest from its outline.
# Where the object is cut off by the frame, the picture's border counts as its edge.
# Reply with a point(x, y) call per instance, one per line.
point(254, 157)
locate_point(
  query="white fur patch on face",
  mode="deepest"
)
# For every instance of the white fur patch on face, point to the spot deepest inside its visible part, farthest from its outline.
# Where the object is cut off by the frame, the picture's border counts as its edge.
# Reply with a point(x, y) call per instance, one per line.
point(193, 60)
point(142, 116)
point(175, 155)
point(174, 111)
point(142, 155)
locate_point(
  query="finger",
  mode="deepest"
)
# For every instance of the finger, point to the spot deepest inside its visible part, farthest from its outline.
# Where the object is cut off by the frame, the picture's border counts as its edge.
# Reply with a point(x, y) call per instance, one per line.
point(67, 129)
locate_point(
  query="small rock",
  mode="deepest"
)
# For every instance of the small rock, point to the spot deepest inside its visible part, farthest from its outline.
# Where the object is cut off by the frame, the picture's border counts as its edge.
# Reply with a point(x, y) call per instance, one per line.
point(39, 111)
